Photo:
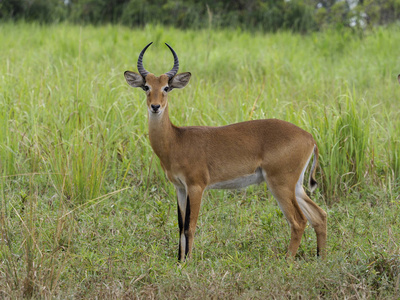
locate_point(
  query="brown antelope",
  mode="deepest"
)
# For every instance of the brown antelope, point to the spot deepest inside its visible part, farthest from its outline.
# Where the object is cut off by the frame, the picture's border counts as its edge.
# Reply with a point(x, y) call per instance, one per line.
point(197, 158)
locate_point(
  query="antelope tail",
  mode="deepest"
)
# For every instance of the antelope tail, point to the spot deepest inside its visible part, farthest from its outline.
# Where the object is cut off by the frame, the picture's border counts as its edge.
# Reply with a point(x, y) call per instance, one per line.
point(312, 183)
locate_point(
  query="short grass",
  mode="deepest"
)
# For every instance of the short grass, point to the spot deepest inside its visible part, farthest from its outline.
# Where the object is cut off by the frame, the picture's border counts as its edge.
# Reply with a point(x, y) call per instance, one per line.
point(86, 211)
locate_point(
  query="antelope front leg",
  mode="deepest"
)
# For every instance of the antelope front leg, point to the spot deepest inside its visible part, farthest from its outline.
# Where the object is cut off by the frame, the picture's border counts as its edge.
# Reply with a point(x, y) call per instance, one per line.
point(182, 204)
point(189, 203)
point(195, 193)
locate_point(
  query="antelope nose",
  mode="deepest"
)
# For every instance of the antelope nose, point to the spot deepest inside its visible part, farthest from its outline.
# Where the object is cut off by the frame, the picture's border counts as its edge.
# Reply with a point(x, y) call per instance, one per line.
point(155, 107)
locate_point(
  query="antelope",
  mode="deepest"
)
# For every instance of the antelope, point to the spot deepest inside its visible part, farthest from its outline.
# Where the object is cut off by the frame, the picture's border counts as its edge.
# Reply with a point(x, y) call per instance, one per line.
point(197, 158)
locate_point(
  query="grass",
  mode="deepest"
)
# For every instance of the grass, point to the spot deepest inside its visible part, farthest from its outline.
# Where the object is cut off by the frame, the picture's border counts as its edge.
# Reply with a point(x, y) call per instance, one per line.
point(87, 212)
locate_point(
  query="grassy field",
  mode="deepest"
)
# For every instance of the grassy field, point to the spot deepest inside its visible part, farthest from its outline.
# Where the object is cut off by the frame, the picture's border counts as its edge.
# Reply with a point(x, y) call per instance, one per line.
point(86, 211)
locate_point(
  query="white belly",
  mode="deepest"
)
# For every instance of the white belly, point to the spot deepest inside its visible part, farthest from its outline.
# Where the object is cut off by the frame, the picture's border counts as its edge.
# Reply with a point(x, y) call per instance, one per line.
point(239, 182)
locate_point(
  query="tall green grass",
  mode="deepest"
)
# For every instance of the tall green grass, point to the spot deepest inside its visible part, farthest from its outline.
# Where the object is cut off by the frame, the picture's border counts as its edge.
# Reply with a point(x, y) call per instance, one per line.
point(87, 211)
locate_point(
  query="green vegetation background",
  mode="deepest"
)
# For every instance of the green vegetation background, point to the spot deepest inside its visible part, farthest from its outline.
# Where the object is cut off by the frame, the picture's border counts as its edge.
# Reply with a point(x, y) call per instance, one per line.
point(87, 212)
point(265, 15)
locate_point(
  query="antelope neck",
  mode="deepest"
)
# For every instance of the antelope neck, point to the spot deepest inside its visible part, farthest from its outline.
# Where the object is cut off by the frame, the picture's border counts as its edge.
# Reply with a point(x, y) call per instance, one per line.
point(161, 134)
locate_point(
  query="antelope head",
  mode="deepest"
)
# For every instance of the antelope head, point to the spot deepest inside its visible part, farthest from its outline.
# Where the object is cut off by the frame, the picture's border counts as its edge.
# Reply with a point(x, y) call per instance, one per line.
point(157, 88)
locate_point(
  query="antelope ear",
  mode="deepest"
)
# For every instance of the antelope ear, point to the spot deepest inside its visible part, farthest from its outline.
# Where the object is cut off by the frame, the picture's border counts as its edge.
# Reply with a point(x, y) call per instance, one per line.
point(179, 80)
point(134, 79)
point(398, 78)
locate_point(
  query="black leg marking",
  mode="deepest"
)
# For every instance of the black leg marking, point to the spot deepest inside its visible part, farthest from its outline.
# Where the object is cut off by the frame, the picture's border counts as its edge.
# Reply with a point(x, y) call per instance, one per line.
point(180, 223)
point(318, 251)
point(186, 225)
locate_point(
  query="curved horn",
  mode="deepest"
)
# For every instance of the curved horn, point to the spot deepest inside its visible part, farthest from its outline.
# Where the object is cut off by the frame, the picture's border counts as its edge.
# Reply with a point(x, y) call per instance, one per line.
point(140, 67)
point(175, 68)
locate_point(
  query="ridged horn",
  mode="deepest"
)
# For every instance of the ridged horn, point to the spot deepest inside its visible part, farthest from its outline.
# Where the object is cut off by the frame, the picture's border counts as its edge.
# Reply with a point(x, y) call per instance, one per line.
point(175, 68)
point(140, 67)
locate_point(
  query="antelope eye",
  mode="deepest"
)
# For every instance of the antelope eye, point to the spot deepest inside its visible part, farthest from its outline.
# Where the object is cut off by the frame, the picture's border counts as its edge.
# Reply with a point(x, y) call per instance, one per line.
point(146, 88)
point(166, 89)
